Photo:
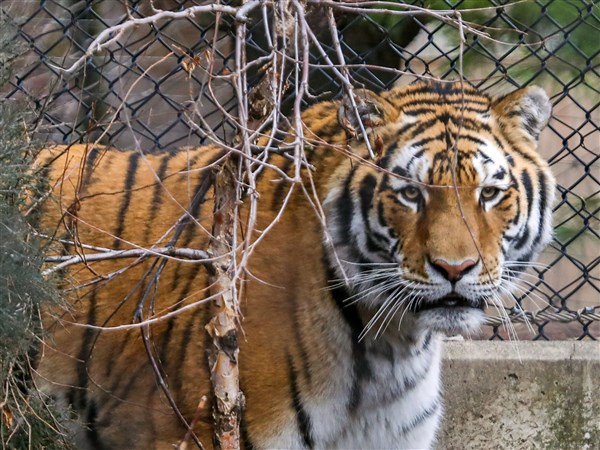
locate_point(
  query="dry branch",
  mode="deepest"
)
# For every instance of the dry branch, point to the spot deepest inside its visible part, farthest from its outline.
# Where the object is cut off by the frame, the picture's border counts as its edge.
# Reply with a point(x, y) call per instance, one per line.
point(188, 255)
point(223, 328)
point(114, 33)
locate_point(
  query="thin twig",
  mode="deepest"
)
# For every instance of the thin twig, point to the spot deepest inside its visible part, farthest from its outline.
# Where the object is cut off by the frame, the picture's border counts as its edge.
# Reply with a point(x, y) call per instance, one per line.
point(190, 255)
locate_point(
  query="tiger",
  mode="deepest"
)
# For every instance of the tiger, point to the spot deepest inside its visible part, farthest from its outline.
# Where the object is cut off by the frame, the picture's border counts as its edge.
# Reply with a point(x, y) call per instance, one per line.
point(417, 208)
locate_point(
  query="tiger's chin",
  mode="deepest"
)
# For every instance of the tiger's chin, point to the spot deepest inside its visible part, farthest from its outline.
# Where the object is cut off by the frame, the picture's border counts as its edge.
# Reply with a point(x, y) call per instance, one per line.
point(451, 315)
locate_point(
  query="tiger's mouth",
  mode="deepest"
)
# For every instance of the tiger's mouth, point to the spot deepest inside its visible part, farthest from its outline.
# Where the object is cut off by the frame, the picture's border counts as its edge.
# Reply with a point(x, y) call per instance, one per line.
point(450, 301)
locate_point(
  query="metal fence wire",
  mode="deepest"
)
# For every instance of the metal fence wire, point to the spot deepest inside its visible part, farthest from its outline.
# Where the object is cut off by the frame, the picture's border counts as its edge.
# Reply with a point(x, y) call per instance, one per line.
point(140, 90)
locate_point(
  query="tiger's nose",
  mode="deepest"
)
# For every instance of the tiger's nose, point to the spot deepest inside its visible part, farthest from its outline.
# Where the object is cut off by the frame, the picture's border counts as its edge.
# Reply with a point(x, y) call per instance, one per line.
point(453, 272)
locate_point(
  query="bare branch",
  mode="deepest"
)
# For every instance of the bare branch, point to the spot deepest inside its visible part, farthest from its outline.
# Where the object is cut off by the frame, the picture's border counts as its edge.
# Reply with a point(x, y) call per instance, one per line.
point(190, 255)
point(223, 327)
point(112, 34)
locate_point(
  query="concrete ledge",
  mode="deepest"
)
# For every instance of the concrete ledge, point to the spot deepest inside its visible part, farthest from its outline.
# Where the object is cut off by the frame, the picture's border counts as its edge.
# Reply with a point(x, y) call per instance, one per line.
point(521, 395)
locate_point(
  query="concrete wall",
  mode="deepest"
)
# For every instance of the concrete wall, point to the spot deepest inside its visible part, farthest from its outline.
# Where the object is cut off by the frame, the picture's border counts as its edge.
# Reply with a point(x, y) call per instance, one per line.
point(521, 395)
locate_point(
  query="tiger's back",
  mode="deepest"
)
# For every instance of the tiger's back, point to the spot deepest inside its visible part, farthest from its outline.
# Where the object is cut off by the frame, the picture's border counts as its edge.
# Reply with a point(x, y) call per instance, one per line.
point(310, 377)
point(101, 200)
point(124, 200)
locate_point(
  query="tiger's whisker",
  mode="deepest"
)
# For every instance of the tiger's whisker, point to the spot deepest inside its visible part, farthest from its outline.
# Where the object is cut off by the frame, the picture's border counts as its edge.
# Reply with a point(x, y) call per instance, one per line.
point(532, 264)
point(529, 292)
point(506, 322)
point(390, 315)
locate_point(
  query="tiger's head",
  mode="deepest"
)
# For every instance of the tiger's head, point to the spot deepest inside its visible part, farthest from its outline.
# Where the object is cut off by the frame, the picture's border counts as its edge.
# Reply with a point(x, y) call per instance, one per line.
point(455, 206)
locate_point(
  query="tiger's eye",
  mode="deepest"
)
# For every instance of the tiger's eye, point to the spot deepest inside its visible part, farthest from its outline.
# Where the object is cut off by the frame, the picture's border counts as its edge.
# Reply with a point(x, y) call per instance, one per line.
point(489, 192)
point(411, 193)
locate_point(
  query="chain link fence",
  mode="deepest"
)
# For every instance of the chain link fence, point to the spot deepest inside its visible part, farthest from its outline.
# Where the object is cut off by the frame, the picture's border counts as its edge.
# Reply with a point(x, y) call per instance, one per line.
point(167, 84)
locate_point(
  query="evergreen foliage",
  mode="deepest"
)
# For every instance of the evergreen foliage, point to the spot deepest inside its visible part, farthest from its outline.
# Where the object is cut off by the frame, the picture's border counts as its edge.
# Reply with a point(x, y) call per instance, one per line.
point(26, 422)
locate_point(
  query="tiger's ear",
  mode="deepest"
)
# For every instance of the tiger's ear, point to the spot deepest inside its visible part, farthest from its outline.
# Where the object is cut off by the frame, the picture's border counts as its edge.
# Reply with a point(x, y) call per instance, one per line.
point(527, 110)
point(371, 109)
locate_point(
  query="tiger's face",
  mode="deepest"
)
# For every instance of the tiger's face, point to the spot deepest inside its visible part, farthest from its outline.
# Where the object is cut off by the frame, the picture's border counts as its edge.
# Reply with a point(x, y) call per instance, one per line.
point(456, 206)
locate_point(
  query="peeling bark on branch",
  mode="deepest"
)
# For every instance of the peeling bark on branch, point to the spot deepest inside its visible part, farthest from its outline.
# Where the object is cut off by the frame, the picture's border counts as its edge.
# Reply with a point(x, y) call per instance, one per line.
point(223, 328)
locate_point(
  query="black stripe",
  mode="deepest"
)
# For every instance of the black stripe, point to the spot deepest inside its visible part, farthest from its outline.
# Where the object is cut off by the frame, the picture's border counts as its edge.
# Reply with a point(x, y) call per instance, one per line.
point(426, 140)
point(301, 345)
point(469, 98)
point(513, 182)
point(387, 154)
point(157, 195)
point(500, 174)
point(474, 139)
point(392, 236)
point(401, 172)
point(118, 351)
point(349, 311)
point(426, 344)
point(302, 417)
point(529, 122)
point(91, 157)
point(178, 357)
point(114, 401)
point(129, 182)
point(366, 193)
point(78, 393)
point(442, 89)
point(151, 275)
point(382, 241)
point(417, 128)
point(329, 129)
point(190, 282)
point(501, 147)
point(515, 147)
point(123, 384)
point(246, 441)
point(422, 126)
point(385, 350)
point(468, 124)
point(385, 182)
point(503, 208)
point(527, 185)
point(200, 190)
point(187, 225)
point(431, 106)
point(402, 387)
point(91, 433)
point(485, 156)
point(416, 421)
point(394, 198)
point(345, 209)
point(413, 159)
point(542, 207)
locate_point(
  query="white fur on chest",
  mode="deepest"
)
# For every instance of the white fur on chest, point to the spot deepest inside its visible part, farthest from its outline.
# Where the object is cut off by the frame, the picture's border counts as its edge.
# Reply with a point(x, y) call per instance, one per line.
point(399, 406)
point(400, 403)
